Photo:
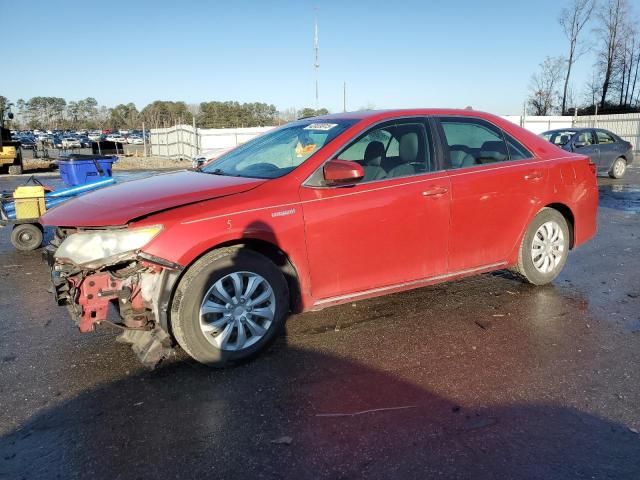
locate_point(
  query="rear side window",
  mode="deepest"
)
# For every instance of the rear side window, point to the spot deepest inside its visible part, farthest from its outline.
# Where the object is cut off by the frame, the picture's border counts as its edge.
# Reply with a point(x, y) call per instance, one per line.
point(516, 149)
point(604, 137)
point(473, 141)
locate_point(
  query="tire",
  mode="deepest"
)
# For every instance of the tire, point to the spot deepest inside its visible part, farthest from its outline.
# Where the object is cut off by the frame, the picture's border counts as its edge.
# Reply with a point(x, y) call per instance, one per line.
point(618, 168)
point(26, 237)
point(550, 256)
point(201, 335)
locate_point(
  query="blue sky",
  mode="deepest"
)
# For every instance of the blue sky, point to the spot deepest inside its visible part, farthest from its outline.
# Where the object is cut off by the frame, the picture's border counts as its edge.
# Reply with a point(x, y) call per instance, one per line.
point(427, 53)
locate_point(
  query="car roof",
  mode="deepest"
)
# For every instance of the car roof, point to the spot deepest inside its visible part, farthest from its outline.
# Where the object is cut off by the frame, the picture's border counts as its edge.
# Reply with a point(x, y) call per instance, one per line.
point(393, 113)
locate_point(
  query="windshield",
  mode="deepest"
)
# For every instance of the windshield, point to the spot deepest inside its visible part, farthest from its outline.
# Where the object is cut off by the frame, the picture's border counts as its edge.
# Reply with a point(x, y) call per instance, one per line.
point(278, 152)
point(559, 137)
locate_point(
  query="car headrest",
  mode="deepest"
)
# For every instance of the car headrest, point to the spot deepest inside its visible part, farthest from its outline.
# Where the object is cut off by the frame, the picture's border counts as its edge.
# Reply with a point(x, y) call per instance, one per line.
point(494, 146)
point(374, 153)
point(408, 147)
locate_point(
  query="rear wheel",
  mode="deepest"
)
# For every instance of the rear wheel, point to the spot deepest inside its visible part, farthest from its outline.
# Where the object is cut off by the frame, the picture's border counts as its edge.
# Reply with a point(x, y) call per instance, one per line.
point(26, 237)
point(618, 168)
point(229, 306)
point(544, 248)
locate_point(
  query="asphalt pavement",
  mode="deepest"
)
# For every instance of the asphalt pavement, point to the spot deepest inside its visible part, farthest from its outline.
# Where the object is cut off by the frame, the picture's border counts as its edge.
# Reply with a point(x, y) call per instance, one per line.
point(485, 377)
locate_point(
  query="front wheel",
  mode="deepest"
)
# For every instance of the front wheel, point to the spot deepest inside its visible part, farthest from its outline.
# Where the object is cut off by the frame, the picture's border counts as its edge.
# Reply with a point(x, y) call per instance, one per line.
point(229, 306)
point(544, 248)
point(618, 168)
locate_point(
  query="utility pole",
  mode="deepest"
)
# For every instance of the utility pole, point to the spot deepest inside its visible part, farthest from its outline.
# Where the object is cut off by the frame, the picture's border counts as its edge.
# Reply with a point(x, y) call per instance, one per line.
point(344, 97)
point(316, 49)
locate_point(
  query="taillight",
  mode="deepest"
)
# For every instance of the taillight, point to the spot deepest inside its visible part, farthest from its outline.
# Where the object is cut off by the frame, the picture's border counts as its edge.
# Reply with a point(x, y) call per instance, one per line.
point(593, 167)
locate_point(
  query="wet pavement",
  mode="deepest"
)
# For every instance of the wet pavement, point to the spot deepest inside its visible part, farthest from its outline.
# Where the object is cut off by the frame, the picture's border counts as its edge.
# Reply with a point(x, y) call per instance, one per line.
point(481, 378)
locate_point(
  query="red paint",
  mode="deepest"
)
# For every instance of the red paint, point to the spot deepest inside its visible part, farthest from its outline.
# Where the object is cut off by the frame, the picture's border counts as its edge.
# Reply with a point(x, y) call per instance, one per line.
point(365, 239)
point(341, 172)
point(123, 202)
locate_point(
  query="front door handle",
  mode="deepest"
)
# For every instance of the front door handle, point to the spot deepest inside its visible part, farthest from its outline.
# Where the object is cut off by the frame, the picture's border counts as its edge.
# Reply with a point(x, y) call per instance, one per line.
point(435, 192)
point(533, 176)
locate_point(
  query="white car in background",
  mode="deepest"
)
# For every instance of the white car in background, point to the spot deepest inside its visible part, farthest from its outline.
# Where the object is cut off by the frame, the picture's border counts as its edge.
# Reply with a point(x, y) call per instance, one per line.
point(135, 140)
point(116, 138)
point(95, 136)
point(71, 142)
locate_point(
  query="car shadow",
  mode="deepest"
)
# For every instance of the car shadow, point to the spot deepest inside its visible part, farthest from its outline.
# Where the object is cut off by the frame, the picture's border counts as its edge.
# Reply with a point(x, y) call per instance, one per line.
point(299, 413)
point(302, 412)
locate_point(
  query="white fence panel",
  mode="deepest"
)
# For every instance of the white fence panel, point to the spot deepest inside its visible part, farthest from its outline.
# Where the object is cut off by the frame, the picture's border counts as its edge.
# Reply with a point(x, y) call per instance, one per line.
point(182, 141)
point(224, 138)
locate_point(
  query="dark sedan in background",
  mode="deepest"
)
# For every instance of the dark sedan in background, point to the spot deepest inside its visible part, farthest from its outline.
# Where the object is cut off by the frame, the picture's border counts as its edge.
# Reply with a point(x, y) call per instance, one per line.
point(609, 152)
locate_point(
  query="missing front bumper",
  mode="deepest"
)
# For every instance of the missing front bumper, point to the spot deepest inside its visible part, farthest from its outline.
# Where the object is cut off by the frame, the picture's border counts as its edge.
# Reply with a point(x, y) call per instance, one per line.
point(139, 289)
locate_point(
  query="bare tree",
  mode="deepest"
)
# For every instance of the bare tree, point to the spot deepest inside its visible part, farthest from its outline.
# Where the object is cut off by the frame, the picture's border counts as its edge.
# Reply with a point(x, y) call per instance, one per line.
point(592, 89)
point(573, 19)
point(543, 90)
point(611, 17)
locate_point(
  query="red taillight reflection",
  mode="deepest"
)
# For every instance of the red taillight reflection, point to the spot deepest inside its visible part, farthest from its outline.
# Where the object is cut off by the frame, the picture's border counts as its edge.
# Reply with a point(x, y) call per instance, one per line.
point(593, 167)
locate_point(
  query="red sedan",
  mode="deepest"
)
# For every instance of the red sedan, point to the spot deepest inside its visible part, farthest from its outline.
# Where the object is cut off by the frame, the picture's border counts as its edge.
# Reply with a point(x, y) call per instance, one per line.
point(318, 212)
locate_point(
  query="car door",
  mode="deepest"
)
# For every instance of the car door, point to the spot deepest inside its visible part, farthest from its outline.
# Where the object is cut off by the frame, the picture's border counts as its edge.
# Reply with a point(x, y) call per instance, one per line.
point(495, 189)
point(387, 230)
point(585, 143)
point(609, 150)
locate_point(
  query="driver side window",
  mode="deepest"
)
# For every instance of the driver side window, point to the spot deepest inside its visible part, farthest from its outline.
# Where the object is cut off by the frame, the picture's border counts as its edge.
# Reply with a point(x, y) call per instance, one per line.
point(397, 149)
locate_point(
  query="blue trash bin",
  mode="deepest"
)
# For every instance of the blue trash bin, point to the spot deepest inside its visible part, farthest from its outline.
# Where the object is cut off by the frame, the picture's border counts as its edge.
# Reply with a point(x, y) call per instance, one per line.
point(79, 169)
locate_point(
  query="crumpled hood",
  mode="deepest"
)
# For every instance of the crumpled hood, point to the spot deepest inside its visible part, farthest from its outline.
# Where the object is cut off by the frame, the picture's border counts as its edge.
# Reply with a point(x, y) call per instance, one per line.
point(123, 202)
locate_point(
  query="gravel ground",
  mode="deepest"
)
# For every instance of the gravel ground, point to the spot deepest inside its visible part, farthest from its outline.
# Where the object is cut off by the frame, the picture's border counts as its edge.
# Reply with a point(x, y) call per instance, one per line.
point(481, 378)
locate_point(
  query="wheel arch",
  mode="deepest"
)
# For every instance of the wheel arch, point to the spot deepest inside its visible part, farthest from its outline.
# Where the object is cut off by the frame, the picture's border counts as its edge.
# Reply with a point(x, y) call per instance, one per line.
point(568, 215)
point(268, 249)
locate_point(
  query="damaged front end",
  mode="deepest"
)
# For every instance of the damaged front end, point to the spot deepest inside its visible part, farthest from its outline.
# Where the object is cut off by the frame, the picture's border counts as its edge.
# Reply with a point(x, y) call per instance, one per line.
point(138, 285)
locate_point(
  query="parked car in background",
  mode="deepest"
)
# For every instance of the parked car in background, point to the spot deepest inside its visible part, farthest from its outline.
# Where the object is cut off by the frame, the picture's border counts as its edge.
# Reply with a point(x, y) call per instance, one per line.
point(28, 143)
point(95, 136)
point(135, 140)
point(85, 141)
point(116, 138)
point(608, 151)
point(71, 142)
point(318, 212)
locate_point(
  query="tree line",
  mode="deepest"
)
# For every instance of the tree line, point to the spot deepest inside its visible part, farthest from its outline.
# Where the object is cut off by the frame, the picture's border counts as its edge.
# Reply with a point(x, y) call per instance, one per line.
point(57, 113)
point(614, 86)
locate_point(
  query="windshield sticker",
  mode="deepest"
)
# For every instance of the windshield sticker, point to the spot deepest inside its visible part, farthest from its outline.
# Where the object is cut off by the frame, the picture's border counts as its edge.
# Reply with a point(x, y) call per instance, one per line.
point(304, 150)
point(320, 126)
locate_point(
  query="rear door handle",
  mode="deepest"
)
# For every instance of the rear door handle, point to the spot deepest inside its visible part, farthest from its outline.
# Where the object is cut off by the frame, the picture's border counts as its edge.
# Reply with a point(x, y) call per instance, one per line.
point(435, 192)
point(533, 176)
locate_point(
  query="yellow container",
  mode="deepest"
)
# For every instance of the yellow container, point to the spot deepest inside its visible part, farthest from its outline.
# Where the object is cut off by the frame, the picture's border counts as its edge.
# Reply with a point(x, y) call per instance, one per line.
point(29, 202)
point(7, 154)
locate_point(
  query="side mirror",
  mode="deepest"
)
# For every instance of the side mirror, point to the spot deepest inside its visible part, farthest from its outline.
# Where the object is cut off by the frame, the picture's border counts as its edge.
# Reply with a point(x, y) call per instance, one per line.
point(342, 172)
point(580, 144)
